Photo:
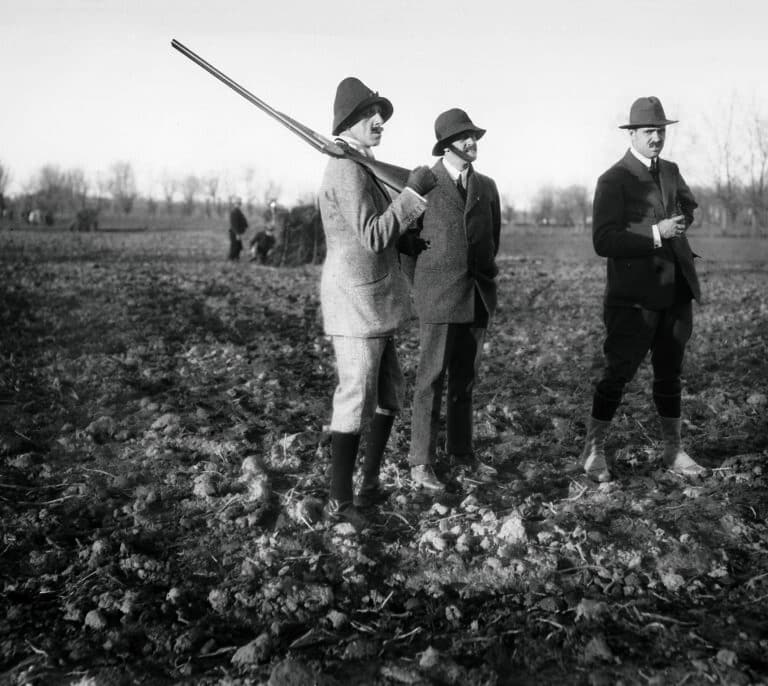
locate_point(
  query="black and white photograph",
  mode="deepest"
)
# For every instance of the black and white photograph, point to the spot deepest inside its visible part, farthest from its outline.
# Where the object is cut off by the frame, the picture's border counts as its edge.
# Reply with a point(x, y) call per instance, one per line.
point(384, 344)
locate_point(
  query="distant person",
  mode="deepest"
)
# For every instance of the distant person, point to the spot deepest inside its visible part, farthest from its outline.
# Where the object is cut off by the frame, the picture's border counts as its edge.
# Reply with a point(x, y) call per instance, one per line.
point(642, 210)
point(454, 294)
point(364, 295)
point(262, 245)
point(237, 226)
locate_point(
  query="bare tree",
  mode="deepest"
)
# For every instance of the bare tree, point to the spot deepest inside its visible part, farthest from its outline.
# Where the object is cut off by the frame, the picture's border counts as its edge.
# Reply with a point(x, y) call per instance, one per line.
point(272, 192)
point(78, 186)
point(190, 187)
point(573, 206)
point(757, 179)
point(727, 160)
point(5, 178)
point(249, 177)
point(211, 186)
point(543, 206)
point(170, 186)
point(122, 185)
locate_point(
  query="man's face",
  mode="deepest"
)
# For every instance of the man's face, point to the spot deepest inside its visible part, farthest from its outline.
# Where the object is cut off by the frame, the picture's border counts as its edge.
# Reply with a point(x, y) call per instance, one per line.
point(466, 144)
point(649, 142)
point(367, 131)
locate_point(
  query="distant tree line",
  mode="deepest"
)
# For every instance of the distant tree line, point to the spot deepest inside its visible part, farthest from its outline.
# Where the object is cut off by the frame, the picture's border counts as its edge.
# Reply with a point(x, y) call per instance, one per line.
point(733, 201)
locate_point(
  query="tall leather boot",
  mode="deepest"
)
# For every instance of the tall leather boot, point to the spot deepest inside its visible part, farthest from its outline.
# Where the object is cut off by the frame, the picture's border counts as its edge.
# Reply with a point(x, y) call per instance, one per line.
point(340, 507)
point(593, 457)
point(674, 457)
point(370, 490)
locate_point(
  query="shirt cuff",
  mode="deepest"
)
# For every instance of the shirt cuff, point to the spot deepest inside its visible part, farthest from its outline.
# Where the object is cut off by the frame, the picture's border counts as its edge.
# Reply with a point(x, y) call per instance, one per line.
point(421, 197)
point(656, 236)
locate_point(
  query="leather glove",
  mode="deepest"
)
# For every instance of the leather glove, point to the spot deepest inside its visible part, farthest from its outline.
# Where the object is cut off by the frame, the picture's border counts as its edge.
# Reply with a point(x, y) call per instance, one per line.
point(421, 180)
point(411, 244)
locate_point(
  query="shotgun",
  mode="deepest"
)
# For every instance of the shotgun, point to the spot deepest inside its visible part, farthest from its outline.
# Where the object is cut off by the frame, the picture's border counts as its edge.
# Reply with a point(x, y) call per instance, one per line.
point(390, 175)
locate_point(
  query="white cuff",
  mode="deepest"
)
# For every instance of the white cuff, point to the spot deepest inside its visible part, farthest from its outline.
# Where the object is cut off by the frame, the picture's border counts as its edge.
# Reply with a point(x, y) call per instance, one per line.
point(408, 188)
point(656, 236)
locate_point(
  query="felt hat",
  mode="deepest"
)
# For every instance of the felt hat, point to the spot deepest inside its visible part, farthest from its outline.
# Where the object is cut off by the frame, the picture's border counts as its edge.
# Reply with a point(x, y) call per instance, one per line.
point(352, 97)
point(647, 112)
point(449, 125)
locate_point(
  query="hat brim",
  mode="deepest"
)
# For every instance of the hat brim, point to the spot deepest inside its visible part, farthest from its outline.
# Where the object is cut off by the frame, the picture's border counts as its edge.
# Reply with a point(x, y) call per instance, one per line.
point(386, 112)
point(650, 124)
point(445, 141)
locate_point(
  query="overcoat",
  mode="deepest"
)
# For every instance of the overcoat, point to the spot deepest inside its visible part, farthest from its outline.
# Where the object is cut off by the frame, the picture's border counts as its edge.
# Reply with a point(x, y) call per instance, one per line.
point(627, 204)
point(363, 291)
point(464, 241)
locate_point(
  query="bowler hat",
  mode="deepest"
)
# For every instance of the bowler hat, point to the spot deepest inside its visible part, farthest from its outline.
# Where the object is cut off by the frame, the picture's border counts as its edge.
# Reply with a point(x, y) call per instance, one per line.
point(352, 97)
point(647, 112)
point(449, 125)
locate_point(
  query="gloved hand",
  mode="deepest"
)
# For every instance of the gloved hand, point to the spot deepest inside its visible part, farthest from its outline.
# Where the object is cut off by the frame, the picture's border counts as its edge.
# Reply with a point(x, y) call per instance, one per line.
point(422, 180)
point(411, 244)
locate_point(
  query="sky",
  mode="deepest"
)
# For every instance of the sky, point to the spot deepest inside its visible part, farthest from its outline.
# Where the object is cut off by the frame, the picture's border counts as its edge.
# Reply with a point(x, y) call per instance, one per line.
point(88, 83)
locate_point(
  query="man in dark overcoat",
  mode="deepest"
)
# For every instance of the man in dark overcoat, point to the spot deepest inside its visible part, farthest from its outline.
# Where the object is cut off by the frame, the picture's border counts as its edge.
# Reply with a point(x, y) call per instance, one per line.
point(363, 295)
point(454, 294)
point(237, 226)
point(642, 211)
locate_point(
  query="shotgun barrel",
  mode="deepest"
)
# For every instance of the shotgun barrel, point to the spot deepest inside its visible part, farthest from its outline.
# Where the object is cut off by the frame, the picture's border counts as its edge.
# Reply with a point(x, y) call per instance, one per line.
point(389, 174)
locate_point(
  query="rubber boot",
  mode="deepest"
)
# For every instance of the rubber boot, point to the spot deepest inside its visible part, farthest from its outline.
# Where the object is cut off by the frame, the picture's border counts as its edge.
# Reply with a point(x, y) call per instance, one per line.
point(370, 489)
point(593, 457)
point(674, 457)
point(340, 507)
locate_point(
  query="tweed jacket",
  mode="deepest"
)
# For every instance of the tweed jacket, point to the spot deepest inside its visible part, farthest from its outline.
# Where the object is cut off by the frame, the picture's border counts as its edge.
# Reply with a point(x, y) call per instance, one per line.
point(626, 206)
point(464, 241)
point(363, 291)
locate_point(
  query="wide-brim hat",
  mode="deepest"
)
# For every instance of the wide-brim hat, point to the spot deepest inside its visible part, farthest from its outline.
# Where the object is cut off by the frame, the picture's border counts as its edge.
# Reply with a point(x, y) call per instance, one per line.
point(352, 97)
point(647, 112)
point(449, 125)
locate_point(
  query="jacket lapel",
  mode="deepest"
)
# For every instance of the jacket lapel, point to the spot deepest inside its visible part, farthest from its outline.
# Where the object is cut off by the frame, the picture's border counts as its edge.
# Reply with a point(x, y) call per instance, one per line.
point(444, 179)
point(643, 175)
point(473, 190)
point(664, 183)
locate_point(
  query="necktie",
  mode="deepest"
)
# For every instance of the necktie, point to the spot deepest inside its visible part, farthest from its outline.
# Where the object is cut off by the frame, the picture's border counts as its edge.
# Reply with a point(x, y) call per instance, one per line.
point(655, 171)
point(460, 186)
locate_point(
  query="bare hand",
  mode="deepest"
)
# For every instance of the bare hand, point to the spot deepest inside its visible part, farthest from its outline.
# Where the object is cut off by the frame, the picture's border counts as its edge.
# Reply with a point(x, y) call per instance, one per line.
point(672, 227)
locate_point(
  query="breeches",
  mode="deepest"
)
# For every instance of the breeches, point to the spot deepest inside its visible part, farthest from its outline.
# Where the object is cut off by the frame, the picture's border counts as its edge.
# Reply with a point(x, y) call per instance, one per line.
point(370, 380)
point(631, 333)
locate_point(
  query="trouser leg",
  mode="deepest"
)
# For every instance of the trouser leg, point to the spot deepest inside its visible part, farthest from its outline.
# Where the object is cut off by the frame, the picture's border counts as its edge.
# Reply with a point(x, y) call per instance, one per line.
point(463, 365)
point(629, 335)
point(668, 351)
point(428, 392)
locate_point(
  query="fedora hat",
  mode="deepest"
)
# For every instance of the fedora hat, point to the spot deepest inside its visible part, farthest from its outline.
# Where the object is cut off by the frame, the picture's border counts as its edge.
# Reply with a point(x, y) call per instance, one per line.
point(352, 97)
point(647, 112)
point(449, 125)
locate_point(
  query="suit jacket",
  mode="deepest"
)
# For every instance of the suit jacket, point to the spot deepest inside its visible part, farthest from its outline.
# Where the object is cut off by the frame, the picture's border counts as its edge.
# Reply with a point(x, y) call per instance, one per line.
point(464, 240)
point(363, 291)
point(237, 221)
point(626, 206)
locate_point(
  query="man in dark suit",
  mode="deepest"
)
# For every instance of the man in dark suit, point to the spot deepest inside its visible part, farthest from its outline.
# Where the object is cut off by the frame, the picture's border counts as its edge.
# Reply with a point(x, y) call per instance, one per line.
point(237, 226)
point(454, 294)
point(642, 210)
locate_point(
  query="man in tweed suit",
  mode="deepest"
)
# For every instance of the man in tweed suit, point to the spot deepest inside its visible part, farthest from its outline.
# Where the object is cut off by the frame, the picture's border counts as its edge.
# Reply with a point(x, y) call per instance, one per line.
point(454, 293)
point(363, 293)
point(642, 210)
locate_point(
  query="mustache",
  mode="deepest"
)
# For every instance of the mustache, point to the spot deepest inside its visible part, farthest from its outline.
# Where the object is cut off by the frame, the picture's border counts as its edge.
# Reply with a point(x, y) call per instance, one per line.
point(377, 128)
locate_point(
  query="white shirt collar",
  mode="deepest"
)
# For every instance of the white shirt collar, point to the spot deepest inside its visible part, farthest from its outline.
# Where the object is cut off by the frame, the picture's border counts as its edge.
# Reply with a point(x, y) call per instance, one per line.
point(646, 161)
point(454, 173)
point(354, 143)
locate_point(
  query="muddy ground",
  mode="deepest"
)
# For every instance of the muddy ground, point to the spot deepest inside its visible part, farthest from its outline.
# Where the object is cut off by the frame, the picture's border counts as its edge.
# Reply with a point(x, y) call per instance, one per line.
point(163, 466)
